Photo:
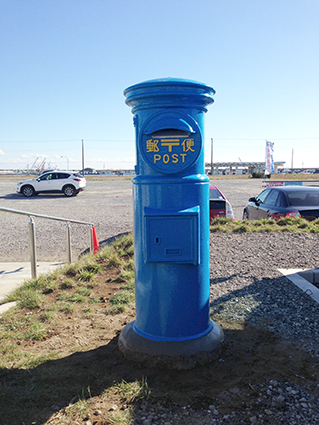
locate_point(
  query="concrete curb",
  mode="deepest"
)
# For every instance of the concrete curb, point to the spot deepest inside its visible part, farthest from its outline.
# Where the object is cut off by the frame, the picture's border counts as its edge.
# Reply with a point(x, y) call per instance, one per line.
point(5, 307)
point(13, 275)
point(295, 276)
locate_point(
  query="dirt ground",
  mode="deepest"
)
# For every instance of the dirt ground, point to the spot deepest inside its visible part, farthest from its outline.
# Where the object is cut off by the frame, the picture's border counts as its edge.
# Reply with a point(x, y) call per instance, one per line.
point(87, 365)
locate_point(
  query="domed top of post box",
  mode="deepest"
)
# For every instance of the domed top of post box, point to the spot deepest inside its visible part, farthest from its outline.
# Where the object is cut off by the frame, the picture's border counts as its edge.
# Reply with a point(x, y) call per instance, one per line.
point(169, 93)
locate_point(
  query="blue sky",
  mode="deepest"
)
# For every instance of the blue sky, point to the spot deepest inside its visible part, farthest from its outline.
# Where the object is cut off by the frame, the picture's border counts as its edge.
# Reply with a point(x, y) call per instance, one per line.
point(65, 65)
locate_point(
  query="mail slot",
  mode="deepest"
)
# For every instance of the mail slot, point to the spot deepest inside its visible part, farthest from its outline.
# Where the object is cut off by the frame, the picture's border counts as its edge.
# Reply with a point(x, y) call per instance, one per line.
point(171, 222)
point(180, 244)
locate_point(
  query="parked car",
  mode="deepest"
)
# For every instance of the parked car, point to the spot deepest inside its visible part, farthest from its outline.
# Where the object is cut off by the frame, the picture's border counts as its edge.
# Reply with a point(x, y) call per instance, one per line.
point(219, 206)
point(53, 182)
point(286, 201)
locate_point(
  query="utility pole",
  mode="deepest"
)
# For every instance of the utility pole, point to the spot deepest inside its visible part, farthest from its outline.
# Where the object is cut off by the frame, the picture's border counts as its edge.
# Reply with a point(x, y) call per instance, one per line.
point(211, 156)
point(292, 159)
point(82, 157)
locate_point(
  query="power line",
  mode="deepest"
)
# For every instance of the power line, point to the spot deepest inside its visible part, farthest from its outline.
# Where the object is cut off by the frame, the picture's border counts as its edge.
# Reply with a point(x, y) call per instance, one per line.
point(63, 141)
point(132, 141)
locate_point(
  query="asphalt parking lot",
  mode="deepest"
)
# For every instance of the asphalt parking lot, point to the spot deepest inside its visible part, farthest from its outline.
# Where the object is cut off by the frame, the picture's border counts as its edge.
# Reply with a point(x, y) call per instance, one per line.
point(106, 204)
point(238, 192)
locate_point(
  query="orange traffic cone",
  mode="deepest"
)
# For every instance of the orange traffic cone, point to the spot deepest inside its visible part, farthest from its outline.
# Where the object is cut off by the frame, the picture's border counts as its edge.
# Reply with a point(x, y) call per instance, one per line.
point(95, 242)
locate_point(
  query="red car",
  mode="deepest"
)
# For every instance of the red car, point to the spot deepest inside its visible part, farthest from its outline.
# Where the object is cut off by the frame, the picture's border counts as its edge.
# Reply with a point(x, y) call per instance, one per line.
point(218, 204)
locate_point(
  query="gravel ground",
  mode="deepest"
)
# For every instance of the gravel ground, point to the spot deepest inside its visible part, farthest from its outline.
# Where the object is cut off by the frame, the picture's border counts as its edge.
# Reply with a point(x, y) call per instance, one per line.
point(246, 286)
point(246, 280)
point(281, 402)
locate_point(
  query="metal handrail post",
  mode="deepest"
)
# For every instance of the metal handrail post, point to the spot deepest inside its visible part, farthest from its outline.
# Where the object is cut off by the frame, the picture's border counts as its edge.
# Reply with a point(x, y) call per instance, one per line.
point(91, 239)
point(68, 236)
point(33, 252)
point(32, 234)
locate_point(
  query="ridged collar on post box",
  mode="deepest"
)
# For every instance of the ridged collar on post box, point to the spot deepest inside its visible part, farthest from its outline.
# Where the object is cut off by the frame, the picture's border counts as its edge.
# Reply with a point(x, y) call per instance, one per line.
point(169, 92)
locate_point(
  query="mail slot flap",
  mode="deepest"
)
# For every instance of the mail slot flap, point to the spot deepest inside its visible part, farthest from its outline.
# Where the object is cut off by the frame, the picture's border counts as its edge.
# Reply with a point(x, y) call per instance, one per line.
point(172, 236)
point(151, 212)
point(168, 122)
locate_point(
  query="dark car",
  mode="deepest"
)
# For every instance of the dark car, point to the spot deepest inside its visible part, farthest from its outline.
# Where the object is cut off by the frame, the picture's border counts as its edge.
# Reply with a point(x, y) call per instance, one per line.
point(219, 206)
point(286, 201)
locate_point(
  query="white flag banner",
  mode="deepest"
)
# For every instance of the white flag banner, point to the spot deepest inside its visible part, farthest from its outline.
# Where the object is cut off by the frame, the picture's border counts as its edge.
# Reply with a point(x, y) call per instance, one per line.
point(269, 165)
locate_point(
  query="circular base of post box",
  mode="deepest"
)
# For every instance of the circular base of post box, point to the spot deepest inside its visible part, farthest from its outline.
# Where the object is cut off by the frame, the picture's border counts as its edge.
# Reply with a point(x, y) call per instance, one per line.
point(178, 355)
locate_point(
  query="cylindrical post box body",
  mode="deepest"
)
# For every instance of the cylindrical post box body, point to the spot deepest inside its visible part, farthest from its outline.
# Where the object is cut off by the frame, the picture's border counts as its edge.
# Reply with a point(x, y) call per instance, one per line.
point(171, 210)
point(171, 272)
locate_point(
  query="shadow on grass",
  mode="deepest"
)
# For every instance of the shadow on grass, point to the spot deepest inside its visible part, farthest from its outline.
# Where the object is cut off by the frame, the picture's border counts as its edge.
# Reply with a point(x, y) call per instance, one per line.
point(251, 355)
point(32, 395)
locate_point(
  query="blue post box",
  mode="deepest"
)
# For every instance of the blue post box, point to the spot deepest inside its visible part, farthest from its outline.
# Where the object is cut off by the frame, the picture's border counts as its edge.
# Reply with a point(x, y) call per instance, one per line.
point(171, 226)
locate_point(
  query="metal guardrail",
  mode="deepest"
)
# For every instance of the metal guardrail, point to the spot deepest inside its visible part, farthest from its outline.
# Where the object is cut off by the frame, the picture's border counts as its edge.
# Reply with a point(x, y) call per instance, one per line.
point(32, 238)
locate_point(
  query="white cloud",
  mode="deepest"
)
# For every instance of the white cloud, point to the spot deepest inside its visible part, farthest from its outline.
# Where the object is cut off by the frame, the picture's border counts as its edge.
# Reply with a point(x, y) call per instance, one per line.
point(12, 161)
point(33, 155)
point(63, 158)
point(1, 152)
point(111, 160)
point(110, 163)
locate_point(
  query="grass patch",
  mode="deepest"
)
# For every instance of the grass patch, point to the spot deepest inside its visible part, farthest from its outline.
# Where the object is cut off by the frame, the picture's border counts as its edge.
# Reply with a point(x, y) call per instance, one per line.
point(122, 298)
point(63, 307)
point(52, 321)
point(95, 300)
point(69, 290)
point(115, 309)
point(67, 283)
point(287, 224)
point(36, 331)
point(30, 299)
point(86, 275)
point(133, 391)
point(74, 297)
point(34, 361)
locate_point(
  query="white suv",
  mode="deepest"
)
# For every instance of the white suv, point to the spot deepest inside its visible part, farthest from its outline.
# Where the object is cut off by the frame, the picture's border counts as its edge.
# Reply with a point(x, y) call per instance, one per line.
point(53, 181)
